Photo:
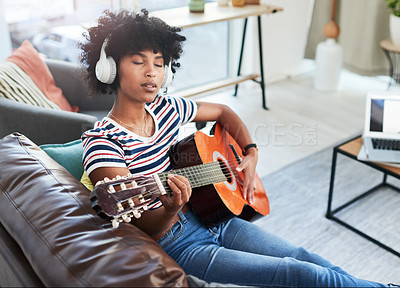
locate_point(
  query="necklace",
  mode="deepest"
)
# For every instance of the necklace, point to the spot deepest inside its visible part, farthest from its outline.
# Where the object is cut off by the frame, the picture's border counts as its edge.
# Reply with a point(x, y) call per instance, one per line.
point(132, 125)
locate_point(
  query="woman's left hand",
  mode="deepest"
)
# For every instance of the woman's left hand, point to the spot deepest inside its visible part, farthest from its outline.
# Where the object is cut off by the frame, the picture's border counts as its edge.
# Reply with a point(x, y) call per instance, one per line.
point(248, 166)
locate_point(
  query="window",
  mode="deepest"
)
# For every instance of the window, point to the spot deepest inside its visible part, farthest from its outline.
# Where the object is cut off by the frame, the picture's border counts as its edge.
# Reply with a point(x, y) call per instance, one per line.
point(205, 51)
point(205, 55)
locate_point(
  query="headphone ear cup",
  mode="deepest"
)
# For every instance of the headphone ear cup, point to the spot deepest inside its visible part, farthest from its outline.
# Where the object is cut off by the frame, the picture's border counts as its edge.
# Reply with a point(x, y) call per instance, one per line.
point(168, 76)
point(106, 68)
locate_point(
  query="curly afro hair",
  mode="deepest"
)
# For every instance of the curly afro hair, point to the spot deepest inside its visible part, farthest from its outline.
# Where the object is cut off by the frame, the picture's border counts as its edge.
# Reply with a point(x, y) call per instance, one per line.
point(128, 32)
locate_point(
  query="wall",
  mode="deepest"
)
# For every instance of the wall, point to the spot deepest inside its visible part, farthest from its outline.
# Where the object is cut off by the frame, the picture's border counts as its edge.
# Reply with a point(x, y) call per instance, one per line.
point(284, 40)
point(5, 47)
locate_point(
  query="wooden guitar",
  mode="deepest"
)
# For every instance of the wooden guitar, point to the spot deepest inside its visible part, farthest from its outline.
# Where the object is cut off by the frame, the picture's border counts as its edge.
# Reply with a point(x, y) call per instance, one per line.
point(209, 163)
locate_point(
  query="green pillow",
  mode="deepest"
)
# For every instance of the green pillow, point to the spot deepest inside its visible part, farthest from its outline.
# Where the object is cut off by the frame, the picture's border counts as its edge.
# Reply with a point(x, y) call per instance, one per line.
point(68, 155)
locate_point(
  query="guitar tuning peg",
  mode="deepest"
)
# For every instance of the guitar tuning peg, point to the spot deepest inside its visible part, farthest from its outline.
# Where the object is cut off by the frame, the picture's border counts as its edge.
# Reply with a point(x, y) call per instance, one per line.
point(134, 183)
point(118, 177)
point(128, 175)
point(106, 179)
point(115, 223)
point(123, 186)
point(137, 214)
point(131, 203)
point(99, 182)
point(145, 208)
point(126, 218)
point(141, 199)
point(111, 189)
point(120, 207)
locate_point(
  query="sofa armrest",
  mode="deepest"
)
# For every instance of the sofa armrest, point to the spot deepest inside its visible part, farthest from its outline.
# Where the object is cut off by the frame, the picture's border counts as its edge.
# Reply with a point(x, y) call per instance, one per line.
point(42, 125)
point(70, 78)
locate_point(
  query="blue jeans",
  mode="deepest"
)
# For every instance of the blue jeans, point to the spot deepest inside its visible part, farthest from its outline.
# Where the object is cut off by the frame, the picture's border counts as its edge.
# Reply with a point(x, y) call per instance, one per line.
point(241, 253)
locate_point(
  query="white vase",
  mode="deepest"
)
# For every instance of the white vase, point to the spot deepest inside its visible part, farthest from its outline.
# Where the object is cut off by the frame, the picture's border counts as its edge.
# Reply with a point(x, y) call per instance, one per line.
point(394, 26)
point(328, 60)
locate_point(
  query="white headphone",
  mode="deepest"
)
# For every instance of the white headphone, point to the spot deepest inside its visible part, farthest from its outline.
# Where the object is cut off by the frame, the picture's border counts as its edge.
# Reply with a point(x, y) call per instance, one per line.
point(106, 69)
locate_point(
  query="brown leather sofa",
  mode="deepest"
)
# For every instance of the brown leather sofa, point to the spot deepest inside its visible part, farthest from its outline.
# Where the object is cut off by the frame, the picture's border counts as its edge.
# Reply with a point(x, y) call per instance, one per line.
point(50, 235)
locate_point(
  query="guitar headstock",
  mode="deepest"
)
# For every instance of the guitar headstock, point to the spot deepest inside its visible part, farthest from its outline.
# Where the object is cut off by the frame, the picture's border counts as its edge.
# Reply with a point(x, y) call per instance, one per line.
point(124, 197)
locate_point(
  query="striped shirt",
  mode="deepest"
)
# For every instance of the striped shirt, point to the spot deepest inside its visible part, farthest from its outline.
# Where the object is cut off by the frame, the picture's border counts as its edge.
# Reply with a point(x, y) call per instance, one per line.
point(109, 144)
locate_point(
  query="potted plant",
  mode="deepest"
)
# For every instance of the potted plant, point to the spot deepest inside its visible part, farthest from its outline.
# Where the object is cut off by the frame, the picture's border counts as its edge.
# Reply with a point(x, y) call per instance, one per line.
point(394, 23)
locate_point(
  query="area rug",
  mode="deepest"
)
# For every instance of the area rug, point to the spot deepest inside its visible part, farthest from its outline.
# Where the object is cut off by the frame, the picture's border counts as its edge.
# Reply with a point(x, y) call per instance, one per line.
point(298, 195)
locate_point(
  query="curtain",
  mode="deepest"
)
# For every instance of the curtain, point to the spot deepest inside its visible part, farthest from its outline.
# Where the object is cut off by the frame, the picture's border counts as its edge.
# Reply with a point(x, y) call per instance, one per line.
point(363, 25)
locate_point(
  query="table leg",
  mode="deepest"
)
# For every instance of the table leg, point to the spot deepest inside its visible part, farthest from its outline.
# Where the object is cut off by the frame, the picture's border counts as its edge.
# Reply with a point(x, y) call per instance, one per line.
point(262, 82)
point(387, 53)
point(331, 185)
point(241, 53)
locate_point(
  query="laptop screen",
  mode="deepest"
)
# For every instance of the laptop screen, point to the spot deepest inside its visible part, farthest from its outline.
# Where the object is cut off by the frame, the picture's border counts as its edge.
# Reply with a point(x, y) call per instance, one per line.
point(385, 116)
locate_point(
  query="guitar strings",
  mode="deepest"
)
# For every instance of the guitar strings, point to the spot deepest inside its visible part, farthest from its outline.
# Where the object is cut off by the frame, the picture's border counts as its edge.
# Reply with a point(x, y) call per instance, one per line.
point(214, 167)
point(215, 163)
point(199, 171)
point(192, 171)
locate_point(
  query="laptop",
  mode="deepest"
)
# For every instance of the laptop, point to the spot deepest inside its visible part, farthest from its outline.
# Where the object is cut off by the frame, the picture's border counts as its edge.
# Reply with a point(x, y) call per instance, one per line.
point(382, 128)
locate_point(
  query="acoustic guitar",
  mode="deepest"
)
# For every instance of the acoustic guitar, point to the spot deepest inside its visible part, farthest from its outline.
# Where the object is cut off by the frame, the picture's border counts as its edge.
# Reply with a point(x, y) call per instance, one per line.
point(209, 163)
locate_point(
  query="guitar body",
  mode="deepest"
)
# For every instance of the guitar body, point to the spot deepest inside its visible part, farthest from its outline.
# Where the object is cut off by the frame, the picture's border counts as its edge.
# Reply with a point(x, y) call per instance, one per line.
point(218, 202)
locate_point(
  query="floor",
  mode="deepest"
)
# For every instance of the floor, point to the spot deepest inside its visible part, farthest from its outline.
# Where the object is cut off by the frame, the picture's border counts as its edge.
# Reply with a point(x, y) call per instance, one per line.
point(300, 119)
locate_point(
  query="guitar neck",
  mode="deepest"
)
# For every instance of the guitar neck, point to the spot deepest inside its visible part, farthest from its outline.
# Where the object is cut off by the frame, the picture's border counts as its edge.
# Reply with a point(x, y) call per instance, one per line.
point(198, 175)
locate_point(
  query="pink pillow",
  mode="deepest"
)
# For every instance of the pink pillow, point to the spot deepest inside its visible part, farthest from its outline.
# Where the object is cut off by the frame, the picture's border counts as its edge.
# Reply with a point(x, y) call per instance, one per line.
point(28, 59)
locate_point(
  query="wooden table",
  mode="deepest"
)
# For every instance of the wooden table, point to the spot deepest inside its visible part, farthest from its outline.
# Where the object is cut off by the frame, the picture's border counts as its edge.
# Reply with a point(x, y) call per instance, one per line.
point(392, 53)
point(351, 148)
point(182, 17)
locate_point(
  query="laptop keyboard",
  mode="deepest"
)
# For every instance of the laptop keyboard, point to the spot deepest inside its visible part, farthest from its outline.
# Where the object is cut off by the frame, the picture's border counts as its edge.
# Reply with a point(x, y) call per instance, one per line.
point(386, 144)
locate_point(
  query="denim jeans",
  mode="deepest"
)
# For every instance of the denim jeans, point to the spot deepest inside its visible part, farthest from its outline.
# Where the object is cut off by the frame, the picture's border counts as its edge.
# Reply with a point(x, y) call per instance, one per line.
point(241, 253)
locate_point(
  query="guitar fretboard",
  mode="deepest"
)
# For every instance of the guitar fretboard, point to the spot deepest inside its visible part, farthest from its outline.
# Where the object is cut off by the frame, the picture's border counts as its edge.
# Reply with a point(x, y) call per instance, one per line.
point(198, 176)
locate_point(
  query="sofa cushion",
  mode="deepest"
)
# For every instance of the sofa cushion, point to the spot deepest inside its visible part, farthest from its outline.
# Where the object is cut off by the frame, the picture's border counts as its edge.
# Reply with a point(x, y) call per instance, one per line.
point(48, 213)
point(28, 59)
point(69, 155)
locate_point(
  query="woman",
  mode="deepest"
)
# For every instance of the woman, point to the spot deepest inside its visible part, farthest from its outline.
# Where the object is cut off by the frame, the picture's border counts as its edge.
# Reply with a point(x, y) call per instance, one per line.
point(135, 137)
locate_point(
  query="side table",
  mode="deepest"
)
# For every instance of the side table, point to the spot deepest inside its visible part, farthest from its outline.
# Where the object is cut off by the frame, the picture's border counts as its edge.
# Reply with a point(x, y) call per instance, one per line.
point(351, 149)
point(392, 53)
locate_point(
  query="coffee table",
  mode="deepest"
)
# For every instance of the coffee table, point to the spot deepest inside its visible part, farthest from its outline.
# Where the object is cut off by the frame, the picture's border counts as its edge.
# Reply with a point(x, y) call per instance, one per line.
point(351, 148)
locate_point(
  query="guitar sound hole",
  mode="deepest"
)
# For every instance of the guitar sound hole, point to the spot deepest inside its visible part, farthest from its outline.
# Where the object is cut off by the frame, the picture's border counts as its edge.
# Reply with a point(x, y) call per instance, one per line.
point(226, 171)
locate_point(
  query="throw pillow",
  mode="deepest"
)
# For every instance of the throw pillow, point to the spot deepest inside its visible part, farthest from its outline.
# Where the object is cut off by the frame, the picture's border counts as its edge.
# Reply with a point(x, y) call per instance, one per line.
point(68, 155)
point(16, 85)
point(85, 180)
point(28, 59)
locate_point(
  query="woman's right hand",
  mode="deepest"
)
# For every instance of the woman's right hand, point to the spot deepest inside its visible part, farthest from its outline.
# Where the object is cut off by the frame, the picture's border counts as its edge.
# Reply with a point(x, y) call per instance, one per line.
point(181, 190)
